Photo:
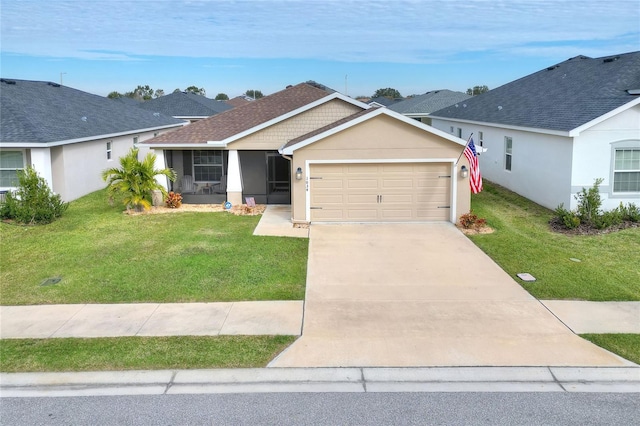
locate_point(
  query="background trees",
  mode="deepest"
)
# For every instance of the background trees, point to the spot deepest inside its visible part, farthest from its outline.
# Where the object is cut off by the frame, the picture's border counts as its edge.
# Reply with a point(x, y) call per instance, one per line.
point(387, 93)
point(255, 94)
point(477, 90)
point(222, 97)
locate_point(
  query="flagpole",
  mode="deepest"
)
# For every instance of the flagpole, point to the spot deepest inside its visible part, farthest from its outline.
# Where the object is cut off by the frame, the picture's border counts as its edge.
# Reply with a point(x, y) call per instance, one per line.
point(465, 147)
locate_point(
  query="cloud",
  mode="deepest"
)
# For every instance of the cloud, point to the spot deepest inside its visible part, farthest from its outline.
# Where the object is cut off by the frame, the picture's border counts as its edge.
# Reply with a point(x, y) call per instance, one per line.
point(347, 30)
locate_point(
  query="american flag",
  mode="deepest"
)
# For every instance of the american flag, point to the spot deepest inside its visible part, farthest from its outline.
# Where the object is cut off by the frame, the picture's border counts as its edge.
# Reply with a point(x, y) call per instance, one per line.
point(475, 179)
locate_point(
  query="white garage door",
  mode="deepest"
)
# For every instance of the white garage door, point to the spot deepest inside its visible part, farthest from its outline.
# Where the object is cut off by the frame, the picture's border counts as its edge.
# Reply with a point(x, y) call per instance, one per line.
point(393, 192)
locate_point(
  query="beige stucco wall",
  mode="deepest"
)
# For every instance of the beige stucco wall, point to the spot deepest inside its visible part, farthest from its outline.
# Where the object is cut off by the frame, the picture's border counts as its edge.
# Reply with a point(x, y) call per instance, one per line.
point(380, 138)
point(273, 137)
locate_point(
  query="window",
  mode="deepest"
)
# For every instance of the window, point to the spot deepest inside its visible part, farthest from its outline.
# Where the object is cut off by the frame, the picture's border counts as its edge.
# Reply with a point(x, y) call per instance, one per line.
point(508, 150)
point(626, 170)
point(207, 166)
point(109, 150)
point(135, 141)
point(459, 133)
point(155, 134)
point(10, 163)
point(451, 129)
point(480, 138)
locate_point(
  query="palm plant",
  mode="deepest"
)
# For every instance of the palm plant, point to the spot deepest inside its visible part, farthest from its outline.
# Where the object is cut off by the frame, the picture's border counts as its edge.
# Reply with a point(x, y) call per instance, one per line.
point(135, 180)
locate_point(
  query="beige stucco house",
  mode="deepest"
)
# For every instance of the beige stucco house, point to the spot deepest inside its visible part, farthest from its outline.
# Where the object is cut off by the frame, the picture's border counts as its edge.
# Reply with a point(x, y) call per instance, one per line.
point(334, 159)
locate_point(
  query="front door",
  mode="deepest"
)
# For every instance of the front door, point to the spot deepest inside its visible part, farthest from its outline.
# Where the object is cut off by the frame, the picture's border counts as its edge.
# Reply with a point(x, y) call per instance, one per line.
point(278, 179)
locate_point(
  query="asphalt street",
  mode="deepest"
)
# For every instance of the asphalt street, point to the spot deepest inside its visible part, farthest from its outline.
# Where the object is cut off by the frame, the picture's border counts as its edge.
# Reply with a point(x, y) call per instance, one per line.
point(328, 409)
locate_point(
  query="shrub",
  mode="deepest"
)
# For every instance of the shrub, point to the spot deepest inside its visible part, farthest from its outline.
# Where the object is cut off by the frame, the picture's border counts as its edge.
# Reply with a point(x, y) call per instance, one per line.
point(472, 221)
point(174, 200)
point(630, 212)
point(136, 179)
point(608, 219)
point(589, 203)
point(568, 218)
point(33, 201)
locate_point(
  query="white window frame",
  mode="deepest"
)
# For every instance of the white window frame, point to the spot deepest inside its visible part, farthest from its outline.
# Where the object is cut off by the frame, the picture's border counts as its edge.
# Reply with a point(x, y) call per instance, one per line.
point(615, 170)
point(194, 165)
point(508, 153)
point(109, 150)
point(24, 156)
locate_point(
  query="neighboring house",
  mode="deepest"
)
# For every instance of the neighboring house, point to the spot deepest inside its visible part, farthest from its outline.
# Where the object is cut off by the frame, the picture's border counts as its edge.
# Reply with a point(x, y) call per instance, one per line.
point(67, 135)
point(420, 107)
point(185, 106)
point(239, 100)
point(552, 133)
point(333, 158)
point(384, 101)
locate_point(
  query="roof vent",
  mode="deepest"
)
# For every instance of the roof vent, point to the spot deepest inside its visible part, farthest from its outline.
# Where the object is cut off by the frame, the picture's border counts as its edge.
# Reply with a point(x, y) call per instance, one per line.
point(499, 107)
point(633, 91)
point(464, 105)
point(53, 84)
point(4, 80)
point(84, 118)
point(607, 60)
point(553, 67)
point(156, 114)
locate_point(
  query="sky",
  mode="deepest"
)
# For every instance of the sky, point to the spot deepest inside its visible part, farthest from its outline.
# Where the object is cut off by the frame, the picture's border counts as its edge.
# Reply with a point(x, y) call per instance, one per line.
point(352, 46)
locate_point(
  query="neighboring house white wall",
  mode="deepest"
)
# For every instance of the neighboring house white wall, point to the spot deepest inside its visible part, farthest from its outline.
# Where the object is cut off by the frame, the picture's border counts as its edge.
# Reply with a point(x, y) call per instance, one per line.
point(594, 151)
point(84, 162)
point(540, 163)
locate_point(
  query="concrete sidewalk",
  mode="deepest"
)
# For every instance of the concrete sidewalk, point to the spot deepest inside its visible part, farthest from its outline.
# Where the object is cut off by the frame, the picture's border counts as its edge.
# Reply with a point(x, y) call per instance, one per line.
point(433, 379)
point(152, 319)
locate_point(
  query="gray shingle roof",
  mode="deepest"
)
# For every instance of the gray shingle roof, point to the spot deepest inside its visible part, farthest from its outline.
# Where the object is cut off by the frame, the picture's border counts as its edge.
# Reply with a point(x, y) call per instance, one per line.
point(181, 104)
point(561, 97)
point(429, 102)
point(42, 112)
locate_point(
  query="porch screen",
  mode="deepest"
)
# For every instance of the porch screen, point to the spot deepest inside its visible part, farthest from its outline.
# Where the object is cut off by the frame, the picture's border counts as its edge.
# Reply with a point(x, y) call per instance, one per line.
point(207, 166)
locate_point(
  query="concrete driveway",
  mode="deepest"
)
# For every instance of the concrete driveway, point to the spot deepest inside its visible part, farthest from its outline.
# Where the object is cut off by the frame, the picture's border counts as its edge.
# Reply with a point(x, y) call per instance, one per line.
point(422, 295)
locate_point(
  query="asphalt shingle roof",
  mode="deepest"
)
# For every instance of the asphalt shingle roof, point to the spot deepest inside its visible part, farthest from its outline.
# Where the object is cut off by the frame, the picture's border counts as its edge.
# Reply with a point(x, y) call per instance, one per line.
point(237, 120)
point(181, 104)
point(429, 102)
point(42, 112)
point(561, 97)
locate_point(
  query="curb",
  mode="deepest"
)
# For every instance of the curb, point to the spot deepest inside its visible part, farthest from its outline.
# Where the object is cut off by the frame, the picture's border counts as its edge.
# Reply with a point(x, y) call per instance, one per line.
point(261, 380)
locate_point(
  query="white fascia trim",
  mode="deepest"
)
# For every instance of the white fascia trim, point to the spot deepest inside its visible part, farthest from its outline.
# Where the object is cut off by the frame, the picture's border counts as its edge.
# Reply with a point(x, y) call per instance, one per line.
point(505, 126)
point(79, 140)
point(293, 113)
point(576, 132)
point(452, 161)
point(290, 150)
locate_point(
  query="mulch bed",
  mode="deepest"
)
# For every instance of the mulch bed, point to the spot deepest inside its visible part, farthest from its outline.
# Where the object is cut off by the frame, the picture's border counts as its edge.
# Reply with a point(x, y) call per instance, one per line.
point(557, 226)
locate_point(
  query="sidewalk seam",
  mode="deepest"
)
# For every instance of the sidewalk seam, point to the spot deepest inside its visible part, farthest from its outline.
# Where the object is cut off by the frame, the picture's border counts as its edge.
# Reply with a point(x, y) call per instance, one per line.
point(226, 317)
point(147, 320)
point(557, 317)
point(84, 305)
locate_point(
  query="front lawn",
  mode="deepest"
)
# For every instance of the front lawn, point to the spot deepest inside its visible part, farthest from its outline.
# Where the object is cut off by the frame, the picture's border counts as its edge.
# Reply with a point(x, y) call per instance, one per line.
point(140, 353)
point(104, 256)
point(605, 267)
point(625, 345)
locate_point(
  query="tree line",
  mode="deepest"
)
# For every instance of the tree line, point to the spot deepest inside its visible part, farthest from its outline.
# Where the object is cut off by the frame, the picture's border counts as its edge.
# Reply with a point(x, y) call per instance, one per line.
point(145, 93)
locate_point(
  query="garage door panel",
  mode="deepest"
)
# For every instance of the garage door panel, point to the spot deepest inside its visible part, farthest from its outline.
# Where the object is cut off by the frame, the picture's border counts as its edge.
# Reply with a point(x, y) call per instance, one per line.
point(328, 199)
point(397, 183)
point(362, 183)
point(381, 192)
point(362, 198)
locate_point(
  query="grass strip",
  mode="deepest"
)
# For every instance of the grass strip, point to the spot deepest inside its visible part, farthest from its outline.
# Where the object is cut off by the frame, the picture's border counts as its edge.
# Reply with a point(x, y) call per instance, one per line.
point(139, 353)
point(625, 345)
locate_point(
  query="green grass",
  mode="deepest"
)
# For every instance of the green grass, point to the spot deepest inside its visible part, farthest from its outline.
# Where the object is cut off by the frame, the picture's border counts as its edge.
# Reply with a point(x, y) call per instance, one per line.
point(625, 345)
point(105, 256)
point(139, 353)
point(523, 242)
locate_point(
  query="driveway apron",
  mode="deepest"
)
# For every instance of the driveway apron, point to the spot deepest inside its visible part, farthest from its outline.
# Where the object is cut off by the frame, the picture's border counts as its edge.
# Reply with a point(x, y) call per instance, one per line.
point(393, 295)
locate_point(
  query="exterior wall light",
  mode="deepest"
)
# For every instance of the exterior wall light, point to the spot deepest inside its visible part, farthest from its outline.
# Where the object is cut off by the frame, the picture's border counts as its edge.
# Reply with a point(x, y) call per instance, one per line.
point(299, 173)
point(464, 172)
